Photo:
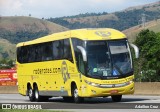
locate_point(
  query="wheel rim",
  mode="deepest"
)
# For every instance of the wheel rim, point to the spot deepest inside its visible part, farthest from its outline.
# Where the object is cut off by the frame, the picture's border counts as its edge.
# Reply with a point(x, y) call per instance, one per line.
point(76, 93)
point(36, 94)
point(30, 92)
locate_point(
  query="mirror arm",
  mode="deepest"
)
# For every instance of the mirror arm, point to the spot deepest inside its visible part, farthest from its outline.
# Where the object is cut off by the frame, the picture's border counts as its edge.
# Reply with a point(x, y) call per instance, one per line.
point(84, 54)
point(136, 50)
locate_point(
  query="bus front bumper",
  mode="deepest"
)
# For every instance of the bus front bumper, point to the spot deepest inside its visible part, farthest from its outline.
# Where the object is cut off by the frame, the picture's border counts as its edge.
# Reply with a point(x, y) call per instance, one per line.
point(95, 91)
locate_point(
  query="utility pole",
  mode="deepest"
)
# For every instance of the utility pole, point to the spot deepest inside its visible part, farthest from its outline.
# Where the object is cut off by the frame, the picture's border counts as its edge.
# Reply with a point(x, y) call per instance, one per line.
point(143, 20)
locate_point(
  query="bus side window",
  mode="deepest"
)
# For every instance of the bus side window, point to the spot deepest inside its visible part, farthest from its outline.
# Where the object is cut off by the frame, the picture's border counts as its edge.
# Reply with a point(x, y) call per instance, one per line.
point(80, 63)
point(67, 50)
point(31, 53)
point(25, 54)
point(60, 49)
point(19, 55)
point(47, 51)
point(22, 54)
point(38, 53)
point(78, 55)
point(55, 49)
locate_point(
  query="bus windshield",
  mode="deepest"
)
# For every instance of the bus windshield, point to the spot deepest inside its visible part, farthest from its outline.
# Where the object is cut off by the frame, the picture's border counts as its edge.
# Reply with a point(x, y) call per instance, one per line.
point(109, 59)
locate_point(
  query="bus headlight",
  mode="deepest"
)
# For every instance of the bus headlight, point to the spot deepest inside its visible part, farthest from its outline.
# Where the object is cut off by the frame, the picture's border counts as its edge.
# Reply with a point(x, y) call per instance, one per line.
point(92, 83)
point(109, 85)
point(129, 82)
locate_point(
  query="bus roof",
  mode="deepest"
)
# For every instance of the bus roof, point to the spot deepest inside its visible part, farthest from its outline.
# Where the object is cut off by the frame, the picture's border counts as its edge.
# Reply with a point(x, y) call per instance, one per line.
point(83, 34)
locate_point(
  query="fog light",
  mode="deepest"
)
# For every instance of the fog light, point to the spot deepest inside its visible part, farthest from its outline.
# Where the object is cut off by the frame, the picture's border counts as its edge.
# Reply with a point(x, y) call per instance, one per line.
point(94, 92)
point(131, 89)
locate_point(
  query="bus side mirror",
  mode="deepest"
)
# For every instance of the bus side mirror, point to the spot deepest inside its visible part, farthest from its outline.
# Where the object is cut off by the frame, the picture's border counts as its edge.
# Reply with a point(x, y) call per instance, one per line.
point(136, 50)
point(83, 51)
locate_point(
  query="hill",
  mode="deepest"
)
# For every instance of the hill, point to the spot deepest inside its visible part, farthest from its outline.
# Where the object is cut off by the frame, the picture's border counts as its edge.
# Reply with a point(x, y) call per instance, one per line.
point(7, 49)
point(19, 28)
point(119, 20)
point(133, 31)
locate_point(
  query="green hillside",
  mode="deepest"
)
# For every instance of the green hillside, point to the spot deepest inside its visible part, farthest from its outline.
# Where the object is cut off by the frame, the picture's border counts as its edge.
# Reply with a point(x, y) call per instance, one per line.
point(119, 20)
point(19, 28)
point(133, 31)
point(7, 49)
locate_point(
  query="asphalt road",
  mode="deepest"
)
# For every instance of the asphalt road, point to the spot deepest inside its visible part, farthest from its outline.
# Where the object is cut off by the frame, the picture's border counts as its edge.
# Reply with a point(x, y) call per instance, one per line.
point(135, 102)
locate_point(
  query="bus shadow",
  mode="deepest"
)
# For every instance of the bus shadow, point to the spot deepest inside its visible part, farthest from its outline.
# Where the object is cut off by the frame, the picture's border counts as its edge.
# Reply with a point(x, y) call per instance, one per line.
point(86, 100)
point(134, 99)
point(98, 100)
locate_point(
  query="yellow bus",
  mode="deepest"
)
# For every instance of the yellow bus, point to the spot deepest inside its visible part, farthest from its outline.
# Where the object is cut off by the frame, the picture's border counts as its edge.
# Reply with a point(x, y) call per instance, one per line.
point(76, 64)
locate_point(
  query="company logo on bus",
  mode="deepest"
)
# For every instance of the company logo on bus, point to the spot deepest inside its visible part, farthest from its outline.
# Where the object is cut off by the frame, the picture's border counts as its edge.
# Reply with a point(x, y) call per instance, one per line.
point(64, 70)
point(103, 33)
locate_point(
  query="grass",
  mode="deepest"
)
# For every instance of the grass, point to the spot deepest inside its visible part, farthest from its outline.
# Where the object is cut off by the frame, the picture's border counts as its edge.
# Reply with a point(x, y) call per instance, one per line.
point(133, 31)
point(18, 23)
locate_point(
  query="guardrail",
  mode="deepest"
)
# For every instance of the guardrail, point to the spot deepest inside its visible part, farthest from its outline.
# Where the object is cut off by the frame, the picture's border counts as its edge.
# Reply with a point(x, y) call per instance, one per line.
point(141, 88)
point(8, 89)
point(147, 88)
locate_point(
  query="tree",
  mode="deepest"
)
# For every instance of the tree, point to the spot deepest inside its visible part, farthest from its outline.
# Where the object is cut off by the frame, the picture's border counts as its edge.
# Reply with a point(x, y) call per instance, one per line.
point(149, 61)
point(6, 64)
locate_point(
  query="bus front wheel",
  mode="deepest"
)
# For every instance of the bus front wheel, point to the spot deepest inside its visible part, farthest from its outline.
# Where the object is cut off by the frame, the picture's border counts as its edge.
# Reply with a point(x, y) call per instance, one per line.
point(116, 98)
point(76, 97)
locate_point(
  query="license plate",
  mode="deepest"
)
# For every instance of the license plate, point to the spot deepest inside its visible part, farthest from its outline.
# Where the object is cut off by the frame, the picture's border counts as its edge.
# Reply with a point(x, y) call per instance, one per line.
point(113, 91)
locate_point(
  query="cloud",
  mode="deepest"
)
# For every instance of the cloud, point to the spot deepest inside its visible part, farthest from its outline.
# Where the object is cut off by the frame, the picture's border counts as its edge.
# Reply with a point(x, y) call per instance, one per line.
point(8, 6)
point(57, 8)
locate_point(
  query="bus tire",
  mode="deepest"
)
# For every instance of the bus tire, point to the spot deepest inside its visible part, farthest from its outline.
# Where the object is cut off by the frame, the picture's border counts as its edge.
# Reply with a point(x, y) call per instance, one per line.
point(116, 98)
point(76, 97)
point(31, 94)
point(39, 98)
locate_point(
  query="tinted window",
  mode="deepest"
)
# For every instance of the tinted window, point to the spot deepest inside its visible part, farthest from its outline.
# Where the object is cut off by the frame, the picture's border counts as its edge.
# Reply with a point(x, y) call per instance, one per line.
point(77, 42)
point(47, 52)
point(78, 54)
point(38, 52)
point(19, 56)
point(67, 50)
point(56, 50)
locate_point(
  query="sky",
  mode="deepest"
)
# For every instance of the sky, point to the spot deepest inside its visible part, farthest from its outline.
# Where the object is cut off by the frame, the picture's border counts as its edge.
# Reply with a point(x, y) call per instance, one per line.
point(60, 8)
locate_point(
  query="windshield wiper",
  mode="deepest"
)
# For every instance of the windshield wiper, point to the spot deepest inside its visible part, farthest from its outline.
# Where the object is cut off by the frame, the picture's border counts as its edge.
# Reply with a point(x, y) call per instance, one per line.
point(118, 69)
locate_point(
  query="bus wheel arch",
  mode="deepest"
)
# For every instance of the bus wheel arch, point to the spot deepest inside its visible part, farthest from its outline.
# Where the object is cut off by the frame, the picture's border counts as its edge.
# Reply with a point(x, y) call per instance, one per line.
point(72, 85)
point(28, 87)
point(74, 92)
point(34, 84)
